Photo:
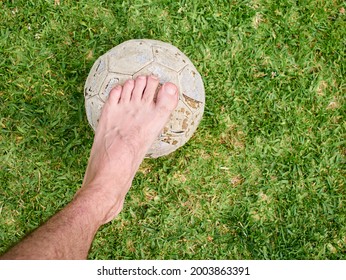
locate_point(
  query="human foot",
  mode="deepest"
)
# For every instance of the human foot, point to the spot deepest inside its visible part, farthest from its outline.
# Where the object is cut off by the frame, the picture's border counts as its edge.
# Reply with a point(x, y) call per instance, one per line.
point(131, 120)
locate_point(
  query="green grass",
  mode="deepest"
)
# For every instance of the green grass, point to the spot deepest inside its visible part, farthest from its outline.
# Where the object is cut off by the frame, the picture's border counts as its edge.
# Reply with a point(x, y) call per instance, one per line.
point(262, 178)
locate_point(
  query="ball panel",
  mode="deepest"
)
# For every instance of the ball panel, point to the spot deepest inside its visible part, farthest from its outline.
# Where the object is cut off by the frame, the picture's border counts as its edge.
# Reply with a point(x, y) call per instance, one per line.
point(179, 120)
point(192, 83)
point(93, 107)
point(97, 74)
point(171, 139)
point(130, 57)
point(170, 57)
point(197, 109)
point(162, 72)
point(159, 149)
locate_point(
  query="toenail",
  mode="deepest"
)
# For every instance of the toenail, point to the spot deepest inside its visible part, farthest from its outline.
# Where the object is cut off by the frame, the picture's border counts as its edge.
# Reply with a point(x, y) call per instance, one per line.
point(170, 89)
point(154, 77)
point(141, 77)
point(117, 87)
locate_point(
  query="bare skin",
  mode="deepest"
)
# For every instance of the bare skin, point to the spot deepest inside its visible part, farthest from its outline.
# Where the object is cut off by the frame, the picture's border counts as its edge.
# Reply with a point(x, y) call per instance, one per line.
point(130, 122)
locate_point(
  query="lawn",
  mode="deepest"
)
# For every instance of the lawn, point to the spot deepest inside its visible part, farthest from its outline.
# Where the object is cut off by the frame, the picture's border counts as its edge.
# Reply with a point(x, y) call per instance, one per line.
point(263, 177)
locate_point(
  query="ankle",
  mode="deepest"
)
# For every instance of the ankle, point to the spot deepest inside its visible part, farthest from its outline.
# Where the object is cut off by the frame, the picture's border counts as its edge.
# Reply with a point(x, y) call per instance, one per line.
point(101, 205)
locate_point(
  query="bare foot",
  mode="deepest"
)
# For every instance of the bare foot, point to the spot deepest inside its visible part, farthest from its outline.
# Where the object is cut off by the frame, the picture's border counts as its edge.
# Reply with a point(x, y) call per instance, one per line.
point(130, 122)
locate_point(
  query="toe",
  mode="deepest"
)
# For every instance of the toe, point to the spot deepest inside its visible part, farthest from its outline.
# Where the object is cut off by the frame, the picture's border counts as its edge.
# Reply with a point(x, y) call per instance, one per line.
point(127, 91)
point(115, 93)
point(150, 89)
point(167, 97)
point(140, 84)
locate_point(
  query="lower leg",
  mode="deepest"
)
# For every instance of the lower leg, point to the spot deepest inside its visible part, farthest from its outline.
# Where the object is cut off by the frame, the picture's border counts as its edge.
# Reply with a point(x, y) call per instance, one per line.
point(130, 121)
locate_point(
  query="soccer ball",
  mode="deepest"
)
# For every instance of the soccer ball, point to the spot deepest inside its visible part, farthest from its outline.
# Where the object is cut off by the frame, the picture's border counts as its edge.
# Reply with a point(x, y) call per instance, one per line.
point(145, 57)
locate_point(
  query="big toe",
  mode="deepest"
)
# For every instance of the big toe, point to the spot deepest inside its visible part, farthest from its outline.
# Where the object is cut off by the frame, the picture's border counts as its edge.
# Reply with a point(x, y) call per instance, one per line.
point(167, 97)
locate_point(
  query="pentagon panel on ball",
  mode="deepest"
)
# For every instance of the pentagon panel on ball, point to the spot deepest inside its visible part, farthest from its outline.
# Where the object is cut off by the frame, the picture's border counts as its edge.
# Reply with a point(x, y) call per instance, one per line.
point(146, 57)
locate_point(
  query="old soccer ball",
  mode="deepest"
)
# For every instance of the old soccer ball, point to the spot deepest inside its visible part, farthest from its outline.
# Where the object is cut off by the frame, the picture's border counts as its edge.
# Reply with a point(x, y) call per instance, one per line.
point(144, 57)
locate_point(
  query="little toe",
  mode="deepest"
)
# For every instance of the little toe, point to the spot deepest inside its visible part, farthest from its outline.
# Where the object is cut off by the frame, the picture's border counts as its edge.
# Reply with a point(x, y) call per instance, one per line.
point(127, 91)
point(150, 89)
point(167, 97)
point(115, 93)
point(140, 84)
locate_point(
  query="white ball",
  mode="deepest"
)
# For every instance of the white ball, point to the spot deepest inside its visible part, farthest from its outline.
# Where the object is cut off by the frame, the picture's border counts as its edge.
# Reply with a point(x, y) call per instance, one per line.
point(145, 57)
